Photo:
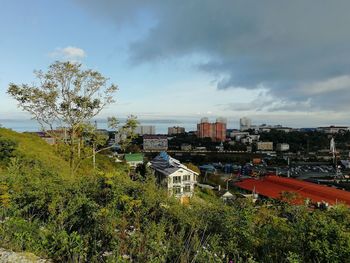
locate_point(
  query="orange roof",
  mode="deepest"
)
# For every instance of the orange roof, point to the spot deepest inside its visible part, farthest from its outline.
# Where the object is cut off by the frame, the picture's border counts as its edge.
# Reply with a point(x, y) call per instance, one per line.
point(272, 186)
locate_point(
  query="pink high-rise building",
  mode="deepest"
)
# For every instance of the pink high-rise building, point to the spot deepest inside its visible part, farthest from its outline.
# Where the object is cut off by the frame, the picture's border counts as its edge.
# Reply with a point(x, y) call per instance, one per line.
point(216, 131)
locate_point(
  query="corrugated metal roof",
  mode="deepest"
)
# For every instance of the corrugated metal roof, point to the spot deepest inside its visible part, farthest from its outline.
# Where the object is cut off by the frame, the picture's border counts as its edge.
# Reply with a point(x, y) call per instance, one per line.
point(272, 186)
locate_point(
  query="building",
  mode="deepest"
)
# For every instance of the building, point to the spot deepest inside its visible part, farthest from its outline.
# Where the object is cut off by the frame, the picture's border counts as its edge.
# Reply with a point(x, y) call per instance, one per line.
point(176, 177)
point(268, 128)
point(186, 147)
point(238, 135)
point(274, 186)
point(216, 131)
point(156, 143)
point(145, 130)
point(134, 159)
point(176, 130)
point(245, 123)
point(282, 147)
point(53, 136)
point(333, 129)
point(244, 137)
point(264, 146)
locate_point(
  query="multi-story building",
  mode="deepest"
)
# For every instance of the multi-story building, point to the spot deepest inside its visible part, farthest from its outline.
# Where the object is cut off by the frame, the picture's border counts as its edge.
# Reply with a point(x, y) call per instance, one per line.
point(176, 130)
point(216, 131)
point(156, 143)
point(264, 146)
point(145, 130)
point(176, 177)
point(245, 123)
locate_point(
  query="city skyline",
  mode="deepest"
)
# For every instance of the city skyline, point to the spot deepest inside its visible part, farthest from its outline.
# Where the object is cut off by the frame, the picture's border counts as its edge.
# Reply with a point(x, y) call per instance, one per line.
point(239, 58)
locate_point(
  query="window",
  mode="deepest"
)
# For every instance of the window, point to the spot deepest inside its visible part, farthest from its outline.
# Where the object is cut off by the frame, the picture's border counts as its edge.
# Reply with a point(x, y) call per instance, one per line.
point(186, 177)
point(176, 179)
point(177, 190)
point(187, 189)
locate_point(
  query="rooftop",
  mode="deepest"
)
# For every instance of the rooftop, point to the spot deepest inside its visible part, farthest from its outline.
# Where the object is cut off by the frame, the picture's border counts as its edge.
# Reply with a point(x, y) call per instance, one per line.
point(272, 186)
point(134, 157)
point(167, 165)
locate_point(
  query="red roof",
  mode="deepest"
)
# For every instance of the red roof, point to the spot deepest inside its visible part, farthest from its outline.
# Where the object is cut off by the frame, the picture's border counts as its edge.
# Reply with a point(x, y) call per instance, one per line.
point(272, 186)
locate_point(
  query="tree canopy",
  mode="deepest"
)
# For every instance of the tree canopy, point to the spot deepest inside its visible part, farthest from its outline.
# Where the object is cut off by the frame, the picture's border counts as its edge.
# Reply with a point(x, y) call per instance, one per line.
point(66, 96)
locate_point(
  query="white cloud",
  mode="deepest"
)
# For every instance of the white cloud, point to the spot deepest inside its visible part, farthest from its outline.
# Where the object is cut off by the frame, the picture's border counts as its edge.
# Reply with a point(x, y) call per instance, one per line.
point(68, 53)
point(330, 85)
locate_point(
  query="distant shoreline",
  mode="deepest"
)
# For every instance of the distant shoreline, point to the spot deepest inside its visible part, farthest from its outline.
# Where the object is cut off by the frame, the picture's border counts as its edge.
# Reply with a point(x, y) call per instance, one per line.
point(22, 125)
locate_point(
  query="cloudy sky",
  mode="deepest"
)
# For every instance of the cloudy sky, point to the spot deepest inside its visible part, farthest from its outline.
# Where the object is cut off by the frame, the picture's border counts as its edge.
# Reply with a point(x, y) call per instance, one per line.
point(274, 61)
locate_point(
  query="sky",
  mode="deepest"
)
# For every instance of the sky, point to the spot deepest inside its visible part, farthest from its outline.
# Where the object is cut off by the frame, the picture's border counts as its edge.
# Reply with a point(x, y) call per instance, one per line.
point(276, 62)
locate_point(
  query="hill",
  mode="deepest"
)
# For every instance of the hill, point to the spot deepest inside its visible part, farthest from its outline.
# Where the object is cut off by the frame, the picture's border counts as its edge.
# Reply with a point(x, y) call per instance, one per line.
point(32, 148)
point(104, 216)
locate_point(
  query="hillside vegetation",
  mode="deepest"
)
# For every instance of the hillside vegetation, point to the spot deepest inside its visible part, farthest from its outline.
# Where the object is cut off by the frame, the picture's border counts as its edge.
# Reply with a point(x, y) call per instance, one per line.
point(103, 216)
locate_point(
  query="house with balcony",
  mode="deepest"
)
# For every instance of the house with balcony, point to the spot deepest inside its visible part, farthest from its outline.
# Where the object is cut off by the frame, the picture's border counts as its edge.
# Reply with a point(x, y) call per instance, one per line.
point(176, 177)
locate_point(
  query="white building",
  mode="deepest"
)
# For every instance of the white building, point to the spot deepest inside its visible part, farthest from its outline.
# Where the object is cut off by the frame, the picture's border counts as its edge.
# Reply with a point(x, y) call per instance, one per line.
point(178, 179)
point(145, 130)
point(238, 135)
point(245, 123)
point(244, 137)
point(282, 147)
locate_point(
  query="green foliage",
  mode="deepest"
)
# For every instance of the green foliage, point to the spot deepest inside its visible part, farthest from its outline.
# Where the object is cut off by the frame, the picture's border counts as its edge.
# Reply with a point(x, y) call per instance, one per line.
point(127, 132)
point(34, 150)
point(193, 167)
point(66, 94)
point(7, 147)
point(103, 216)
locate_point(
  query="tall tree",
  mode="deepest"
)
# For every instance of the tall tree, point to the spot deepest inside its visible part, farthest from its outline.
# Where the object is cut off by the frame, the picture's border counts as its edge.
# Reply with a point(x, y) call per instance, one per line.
point(67, 96)
point(126, 134)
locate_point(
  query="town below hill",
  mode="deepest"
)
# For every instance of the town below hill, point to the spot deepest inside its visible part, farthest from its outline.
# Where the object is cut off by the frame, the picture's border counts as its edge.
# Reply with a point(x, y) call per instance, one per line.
point(108, 211)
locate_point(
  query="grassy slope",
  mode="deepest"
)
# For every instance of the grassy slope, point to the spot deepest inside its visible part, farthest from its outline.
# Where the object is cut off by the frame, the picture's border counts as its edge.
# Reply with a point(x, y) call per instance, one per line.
point(34, 148)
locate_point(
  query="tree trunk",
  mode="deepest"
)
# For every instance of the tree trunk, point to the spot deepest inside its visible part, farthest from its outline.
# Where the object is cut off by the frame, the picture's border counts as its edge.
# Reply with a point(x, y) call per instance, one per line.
point(94, 156)
point(71, 151)
point(79, 147)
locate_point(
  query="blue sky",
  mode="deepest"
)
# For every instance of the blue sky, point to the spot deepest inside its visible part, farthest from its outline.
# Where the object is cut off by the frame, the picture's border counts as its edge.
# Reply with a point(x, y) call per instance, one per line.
point(172, 61)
